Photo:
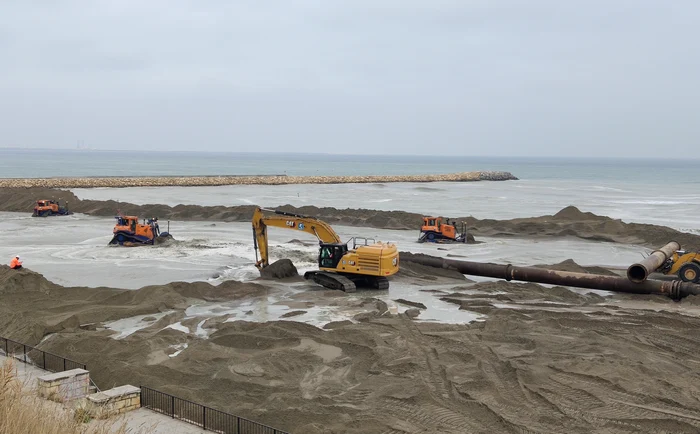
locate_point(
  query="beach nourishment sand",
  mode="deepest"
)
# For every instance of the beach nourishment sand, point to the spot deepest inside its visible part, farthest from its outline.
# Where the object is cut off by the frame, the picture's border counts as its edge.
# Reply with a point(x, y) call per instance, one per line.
point(190, 181)
point(538, 359)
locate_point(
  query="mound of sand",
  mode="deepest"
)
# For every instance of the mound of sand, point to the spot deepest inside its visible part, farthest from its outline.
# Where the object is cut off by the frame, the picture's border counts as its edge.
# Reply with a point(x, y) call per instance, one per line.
point(539, 360)
point(570, 265)
point(33, 307)
point(515, 371)
point(19, 281)
point(280, 269)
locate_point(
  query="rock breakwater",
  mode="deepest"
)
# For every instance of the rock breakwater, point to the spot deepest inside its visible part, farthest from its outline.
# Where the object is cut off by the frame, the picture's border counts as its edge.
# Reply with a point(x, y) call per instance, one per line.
point(190, 181)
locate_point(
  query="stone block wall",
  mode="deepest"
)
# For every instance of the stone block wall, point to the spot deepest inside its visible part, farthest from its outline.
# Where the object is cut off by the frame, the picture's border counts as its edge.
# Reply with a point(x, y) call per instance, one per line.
point(64, 386)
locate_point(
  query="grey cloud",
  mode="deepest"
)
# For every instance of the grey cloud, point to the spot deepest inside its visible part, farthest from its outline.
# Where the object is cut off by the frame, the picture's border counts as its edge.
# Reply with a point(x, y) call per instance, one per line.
point(563, 78)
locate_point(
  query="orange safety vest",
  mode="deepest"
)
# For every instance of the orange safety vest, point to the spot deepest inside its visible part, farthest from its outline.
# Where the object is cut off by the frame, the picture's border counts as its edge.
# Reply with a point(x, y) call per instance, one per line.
point(15, 263)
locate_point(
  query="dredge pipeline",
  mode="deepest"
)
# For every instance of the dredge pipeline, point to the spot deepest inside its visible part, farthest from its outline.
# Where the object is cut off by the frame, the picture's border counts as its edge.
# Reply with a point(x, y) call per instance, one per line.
point(673, 289)
point(639, 272)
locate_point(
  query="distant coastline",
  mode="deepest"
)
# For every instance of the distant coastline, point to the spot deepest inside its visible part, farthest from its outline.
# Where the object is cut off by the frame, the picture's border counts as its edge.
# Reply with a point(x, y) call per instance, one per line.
point(191, 181)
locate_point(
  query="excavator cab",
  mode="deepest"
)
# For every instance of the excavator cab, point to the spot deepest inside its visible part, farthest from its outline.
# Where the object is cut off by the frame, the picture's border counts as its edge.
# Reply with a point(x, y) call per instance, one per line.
point(330, 254)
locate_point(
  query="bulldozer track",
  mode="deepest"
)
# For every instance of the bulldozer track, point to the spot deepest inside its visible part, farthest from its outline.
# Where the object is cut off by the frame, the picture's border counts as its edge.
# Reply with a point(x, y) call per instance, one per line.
point(428, 358)
point(446, 413)
point(615, 403)
point(436, 419)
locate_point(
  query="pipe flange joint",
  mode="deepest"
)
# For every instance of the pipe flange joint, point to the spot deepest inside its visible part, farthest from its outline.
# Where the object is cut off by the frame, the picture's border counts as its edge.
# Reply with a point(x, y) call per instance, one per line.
point(509, 272)
point(675, 293)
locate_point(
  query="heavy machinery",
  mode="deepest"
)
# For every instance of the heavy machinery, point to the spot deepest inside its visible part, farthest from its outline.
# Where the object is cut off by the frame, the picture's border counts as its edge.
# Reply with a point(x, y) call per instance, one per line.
point(46, 208)
point(435, 231)
point(686, 265)
point(670, 260)
point(129, 232)
point(341, 266)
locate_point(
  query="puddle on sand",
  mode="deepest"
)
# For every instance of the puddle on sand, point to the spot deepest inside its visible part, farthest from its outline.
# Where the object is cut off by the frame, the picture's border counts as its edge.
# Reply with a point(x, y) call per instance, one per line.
point(128, 326)
point(178, 349)
point(177, 326)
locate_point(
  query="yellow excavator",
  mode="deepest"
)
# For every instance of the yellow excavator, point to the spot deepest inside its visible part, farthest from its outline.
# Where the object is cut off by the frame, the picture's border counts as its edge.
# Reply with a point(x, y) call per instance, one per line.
point(341, 267)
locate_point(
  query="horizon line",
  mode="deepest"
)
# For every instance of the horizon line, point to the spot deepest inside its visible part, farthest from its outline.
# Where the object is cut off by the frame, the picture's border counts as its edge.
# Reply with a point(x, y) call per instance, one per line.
point(577, 157)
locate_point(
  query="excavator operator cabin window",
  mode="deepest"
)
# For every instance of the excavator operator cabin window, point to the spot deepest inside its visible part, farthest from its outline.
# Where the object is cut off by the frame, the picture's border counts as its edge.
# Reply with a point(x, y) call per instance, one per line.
point(326, 256)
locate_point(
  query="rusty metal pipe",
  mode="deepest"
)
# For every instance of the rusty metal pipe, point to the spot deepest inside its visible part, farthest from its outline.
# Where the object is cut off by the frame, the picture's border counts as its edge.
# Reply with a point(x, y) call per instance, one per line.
point(674, 289)
point(639, 272)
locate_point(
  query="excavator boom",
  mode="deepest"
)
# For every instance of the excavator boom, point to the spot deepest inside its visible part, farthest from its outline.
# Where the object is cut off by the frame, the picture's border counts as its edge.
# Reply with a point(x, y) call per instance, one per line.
point(281, 219)
point(340, 267)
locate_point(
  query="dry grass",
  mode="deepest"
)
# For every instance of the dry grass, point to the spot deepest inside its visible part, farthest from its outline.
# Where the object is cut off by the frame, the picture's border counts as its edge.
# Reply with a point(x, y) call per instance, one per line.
point(23, 412)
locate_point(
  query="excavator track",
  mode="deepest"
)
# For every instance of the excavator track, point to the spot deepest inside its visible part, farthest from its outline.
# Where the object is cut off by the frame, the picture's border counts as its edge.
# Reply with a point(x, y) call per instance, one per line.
point(331, 280)
point(378, 282)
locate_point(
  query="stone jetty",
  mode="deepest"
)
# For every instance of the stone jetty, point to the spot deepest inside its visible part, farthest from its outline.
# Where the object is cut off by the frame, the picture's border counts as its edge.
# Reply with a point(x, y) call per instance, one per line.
point(191, 181)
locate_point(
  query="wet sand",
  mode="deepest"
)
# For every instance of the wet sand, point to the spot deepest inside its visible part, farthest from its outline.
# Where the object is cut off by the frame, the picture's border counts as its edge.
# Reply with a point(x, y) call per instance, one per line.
point(570, 221)
point(536, 360)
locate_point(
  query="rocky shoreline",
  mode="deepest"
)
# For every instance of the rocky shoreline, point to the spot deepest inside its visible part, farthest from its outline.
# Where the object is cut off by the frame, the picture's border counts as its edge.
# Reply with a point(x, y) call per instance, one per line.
point(190, 181)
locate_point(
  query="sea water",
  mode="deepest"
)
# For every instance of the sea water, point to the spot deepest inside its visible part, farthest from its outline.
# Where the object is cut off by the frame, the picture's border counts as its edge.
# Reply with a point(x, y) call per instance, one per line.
point(73, 250)
point(30, 163)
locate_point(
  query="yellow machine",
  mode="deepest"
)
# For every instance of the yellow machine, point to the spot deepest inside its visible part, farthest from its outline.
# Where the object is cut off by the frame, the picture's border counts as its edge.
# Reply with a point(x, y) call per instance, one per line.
point(340, 267)
point(684, 264)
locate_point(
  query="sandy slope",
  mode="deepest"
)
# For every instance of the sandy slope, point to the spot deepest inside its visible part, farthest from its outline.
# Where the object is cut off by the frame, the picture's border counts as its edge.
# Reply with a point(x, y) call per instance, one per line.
point(541, 360)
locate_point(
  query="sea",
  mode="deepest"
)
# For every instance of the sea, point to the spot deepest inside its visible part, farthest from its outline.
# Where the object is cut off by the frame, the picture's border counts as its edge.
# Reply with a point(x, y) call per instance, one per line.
point(37, 163)
point(656, 191)
point(73, 250)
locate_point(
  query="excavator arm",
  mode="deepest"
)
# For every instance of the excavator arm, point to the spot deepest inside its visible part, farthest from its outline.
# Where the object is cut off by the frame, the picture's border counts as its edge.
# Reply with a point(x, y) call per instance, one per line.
point(281, 219)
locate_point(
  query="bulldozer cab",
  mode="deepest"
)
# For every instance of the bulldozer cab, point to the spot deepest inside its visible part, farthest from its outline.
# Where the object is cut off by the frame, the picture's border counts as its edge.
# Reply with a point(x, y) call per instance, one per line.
point(129, 222)
point(45, 203)
point(329, 254)
point(436, 224)
point(432, 223)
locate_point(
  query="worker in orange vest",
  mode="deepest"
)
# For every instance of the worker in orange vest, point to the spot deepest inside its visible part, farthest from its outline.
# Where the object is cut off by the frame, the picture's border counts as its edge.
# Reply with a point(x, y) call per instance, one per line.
point(15, 264)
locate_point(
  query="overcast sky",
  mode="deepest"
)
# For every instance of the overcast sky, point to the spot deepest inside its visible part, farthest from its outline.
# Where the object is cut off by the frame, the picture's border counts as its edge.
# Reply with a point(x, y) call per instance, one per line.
point(465, 77)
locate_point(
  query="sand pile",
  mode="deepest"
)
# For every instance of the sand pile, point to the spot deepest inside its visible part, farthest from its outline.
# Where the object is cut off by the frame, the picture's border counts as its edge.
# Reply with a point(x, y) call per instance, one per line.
point(188, 181)
point(571, 266)
point(33, 307)
point(541, 360)
point(281, 269)
point(18, 281)
point(570, 221)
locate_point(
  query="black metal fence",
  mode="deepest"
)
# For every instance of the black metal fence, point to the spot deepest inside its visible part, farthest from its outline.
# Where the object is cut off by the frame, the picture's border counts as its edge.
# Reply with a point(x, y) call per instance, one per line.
point(34, 356)
point(204, 417)
point(177, 408)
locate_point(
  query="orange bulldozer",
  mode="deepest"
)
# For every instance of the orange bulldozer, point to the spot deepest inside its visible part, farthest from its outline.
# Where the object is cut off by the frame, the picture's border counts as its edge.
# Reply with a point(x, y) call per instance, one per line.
point(434, 230)
point(129, 232)
point(46, 208)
